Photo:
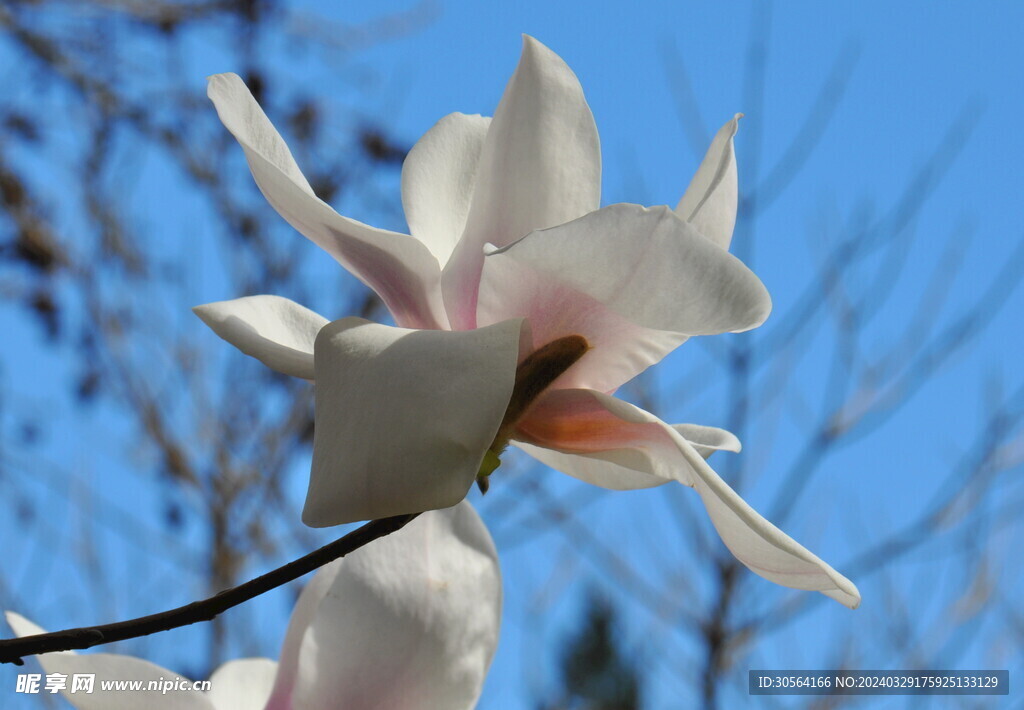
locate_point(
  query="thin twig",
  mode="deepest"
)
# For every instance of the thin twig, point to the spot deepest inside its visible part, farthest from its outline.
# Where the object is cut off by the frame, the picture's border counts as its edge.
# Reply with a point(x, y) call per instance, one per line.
point(13, 650)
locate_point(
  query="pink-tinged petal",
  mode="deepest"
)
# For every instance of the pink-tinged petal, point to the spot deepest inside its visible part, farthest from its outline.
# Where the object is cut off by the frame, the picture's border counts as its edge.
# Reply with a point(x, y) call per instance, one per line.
point(403, 417)
point(709, 203)
point(438, 178)
point(540, 166)
point(243, 684)
point(634, 281)
point(112, 666)
point(616, 468)
point(619, 349)
point(302, 616)
point(277, 332)
point(598, 426)
point(399, 268)
point(573, 431)
point(411, 621)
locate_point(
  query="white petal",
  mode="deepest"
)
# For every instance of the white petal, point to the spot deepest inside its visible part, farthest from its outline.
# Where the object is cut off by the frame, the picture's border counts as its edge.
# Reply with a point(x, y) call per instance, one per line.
point(588, 423)
point(243, 684)
point(438, 178)
point(398, 267)
point(709, 203)
point(302, 616)
point(644, 263)
point(540, 166)
point(633, 468)
point(619, 349)
point(403, 417)
point(23, 627)
point(410, 622)
point(708, 439)
point(276, 331)
point(111, 666)
point(614, 470)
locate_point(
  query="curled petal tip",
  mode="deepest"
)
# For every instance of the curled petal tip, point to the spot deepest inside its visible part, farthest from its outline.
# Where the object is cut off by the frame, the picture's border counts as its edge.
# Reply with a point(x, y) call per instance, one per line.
point(846, 592)
point(272, 329)
point(13, 618)
point(535, 52)
point(228, 76)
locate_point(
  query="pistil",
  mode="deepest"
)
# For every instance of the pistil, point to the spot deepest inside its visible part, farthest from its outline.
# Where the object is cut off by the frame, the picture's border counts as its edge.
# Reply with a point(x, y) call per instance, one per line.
point(533, 375)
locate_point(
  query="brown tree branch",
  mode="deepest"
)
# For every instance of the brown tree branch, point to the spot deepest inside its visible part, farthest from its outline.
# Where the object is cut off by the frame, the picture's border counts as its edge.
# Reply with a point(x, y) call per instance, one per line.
point(13, 650)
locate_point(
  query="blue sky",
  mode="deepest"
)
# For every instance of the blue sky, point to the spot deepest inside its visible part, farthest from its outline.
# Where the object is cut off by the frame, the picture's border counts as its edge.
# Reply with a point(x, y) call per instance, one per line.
point(917, 67)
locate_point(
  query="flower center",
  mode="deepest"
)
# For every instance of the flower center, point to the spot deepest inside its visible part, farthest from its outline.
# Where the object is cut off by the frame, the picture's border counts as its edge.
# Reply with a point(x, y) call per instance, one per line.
point(533, 375)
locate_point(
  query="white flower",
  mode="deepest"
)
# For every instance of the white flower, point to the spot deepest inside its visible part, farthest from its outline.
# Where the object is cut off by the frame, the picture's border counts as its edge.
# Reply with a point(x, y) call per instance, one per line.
point(509, 253)
point(409, 622)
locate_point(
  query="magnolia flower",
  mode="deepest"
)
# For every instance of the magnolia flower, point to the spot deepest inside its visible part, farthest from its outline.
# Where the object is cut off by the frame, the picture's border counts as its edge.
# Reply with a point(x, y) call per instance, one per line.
point(509, 261)
point(409, 622)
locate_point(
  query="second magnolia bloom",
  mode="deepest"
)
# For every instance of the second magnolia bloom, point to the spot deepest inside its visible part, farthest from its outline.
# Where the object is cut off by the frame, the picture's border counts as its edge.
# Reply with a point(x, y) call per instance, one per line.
point(409, 622)
point(509, 251)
